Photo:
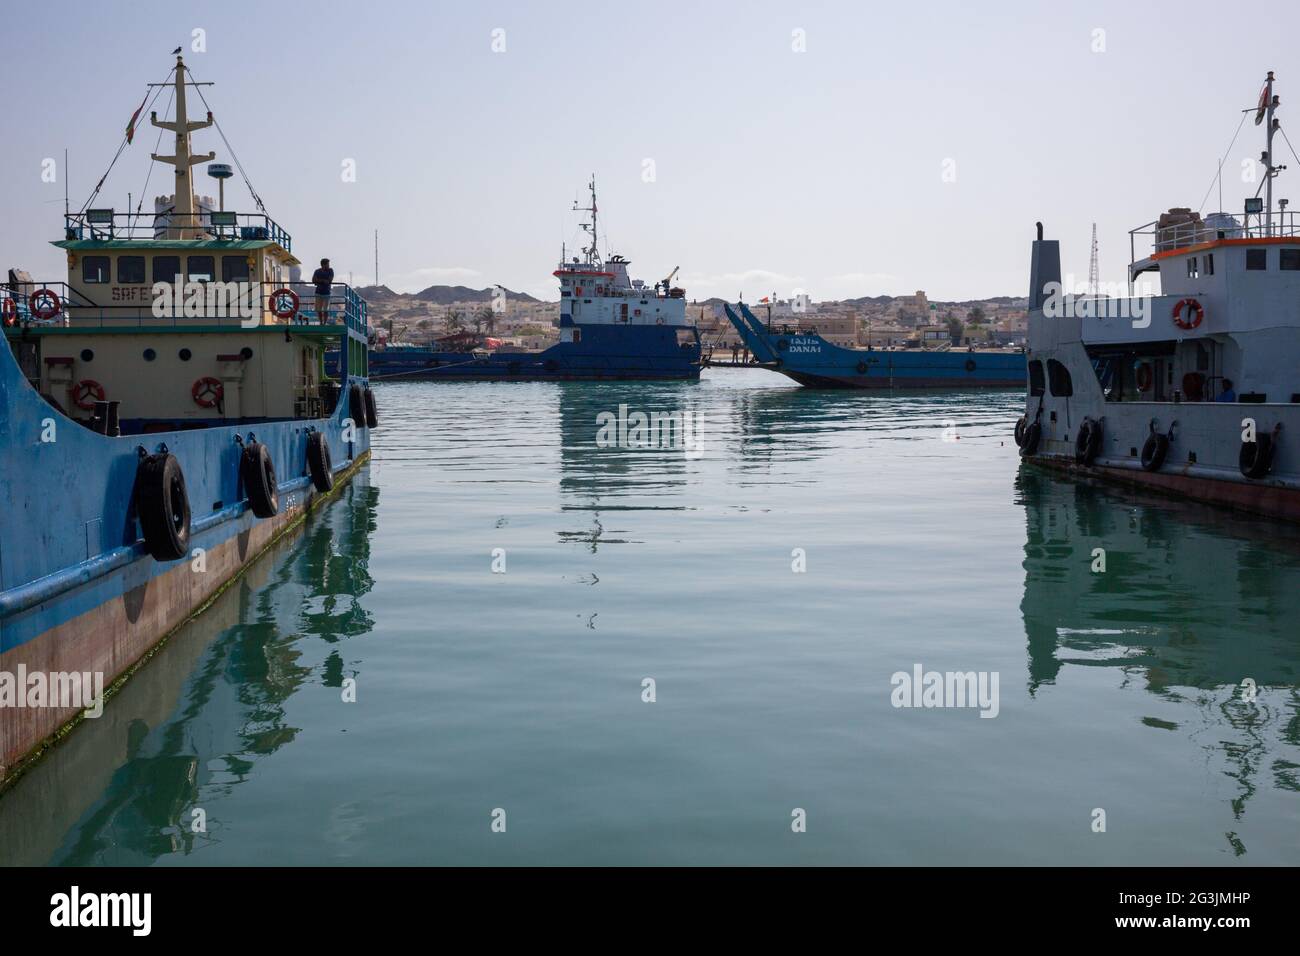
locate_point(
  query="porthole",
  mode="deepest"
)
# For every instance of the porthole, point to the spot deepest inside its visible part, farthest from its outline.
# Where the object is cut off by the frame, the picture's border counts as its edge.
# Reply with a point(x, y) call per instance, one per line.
point(150, 355)
point(184, 355)
point(246, 353)
point(87, 355)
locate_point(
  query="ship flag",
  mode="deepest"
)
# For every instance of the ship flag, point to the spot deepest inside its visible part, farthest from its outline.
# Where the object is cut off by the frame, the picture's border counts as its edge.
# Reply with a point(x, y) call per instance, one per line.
point(130, 127)
point(1263, 105)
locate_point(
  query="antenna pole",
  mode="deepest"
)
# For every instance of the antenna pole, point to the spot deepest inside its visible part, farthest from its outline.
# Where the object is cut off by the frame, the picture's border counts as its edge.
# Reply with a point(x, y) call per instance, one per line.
point(376, 257)
point(1268, 159)
point(66, 210)
point(1094, 273)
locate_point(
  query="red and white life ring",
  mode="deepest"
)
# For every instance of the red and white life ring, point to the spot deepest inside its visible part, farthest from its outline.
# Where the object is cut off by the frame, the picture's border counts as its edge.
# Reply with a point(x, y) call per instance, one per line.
point(207, 392)
point(85, 393)
point(8, 311)
point(284, 303)
point(45, 304)
point(1195, 314)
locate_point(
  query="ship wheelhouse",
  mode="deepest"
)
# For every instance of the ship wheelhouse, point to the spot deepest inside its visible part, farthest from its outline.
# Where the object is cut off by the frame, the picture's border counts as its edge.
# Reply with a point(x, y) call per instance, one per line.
point(181, 318)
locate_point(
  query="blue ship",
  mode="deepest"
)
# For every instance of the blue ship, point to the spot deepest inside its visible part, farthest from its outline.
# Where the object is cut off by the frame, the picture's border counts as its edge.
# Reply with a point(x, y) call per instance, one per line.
point(810, 360)
point(611, 327)
point(164, 417)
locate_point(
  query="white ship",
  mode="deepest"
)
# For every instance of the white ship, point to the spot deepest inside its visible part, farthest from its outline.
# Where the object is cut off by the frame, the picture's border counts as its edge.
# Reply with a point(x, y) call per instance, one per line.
point(1193, 391)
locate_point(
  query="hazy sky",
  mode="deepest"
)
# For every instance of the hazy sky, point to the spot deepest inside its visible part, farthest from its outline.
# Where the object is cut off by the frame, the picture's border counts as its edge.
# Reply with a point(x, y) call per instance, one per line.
point(773, 169)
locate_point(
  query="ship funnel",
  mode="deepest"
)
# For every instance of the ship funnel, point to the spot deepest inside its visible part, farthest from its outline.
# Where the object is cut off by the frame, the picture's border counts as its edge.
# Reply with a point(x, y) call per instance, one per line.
point(1044, 268)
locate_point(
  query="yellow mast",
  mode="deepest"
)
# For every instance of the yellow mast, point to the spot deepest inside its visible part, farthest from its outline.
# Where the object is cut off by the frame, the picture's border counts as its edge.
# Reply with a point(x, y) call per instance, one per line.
point(184, 221)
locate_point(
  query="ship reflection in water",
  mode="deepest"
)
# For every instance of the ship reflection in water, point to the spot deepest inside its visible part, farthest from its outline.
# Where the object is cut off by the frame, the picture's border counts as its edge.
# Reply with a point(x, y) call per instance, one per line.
point(926, 543)
point(1192, 605)
point(195, 723)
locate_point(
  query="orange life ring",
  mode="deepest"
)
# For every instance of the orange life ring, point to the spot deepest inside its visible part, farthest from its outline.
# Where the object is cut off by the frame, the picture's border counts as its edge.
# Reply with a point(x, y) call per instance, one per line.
point(284, 303)
point(8, 311)
point(1195, 314)
point(1144, 377)
point(85, 393)
point(45, 304)
point(207, 392)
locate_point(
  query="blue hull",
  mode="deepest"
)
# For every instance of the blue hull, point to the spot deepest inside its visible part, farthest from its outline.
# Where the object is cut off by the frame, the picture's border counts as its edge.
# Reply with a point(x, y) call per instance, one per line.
point(812, 361)
point(78, 591)
point(605, 352)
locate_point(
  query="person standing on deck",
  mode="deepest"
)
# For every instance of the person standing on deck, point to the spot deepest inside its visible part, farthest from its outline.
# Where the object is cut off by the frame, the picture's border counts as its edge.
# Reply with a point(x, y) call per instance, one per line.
point(1229, 394)
point(323, 278)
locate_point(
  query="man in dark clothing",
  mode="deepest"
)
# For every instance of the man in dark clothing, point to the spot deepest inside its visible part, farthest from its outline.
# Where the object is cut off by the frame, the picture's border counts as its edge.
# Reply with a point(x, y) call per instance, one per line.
point(323, 278)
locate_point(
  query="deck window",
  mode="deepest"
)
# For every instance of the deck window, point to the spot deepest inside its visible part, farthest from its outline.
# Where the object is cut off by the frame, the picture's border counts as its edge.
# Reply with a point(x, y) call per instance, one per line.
point(1290, 260)
point(1036, 385)
point(1058, 379)
point(199, 268)
point(234, 269)
point(1256, 260)
point(166, 268)
point(1192, 271)
point(130, 270)
point(94, 270)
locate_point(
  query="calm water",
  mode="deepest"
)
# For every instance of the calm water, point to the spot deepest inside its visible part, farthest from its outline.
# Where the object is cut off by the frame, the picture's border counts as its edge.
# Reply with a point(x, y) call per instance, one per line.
point(523, 690)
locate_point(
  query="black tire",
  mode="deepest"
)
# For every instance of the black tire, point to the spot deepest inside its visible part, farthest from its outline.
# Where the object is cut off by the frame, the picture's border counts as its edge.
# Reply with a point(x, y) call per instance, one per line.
point(1256, 456)
point(1020, 432)
point(862, 368)
point(970, 365)
point(163, 506)
point(258, 473)
point(552, 365)
point(357, 405)
point(372, 410)
point(1154, 451)
point(1088, 442)
point(319, 463)
point(513, 368)
point(1032, 435)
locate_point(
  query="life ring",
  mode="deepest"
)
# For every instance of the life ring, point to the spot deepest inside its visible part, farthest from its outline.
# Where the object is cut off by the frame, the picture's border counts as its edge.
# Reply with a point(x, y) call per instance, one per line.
point(372, 410)
point(163, 506)
point(1195, 314)
point(284, 303)
point(1194, 386)
point(85, 393)
point(258, 473)
point(207, 392)
point(319, 463)
point(1088, 442)
point(1256, 457)
point(1154, 451)
point(45, 304)
point(8, 311)
point(1144, 377)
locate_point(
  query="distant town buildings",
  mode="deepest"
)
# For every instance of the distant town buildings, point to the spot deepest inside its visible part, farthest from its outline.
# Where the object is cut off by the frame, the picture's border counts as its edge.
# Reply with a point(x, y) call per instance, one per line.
point(910, 321)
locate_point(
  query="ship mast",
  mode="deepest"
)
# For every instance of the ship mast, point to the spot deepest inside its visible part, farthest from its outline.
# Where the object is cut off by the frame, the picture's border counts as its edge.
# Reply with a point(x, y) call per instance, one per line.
point(184, 223)
point(592, 252)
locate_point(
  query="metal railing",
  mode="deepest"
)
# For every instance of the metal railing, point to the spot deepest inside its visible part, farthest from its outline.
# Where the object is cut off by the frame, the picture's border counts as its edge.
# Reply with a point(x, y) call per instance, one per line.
point(235, 304)
point(108, 224)
point(1180, 235)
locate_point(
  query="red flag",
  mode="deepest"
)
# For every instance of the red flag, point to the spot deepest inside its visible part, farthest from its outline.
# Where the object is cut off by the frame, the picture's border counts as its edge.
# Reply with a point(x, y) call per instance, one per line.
point(130, 127)
point(1263, 105)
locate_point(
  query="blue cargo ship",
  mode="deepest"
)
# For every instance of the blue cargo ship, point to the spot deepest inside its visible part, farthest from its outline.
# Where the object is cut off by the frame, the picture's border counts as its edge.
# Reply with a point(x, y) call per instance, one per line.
point(810, 360)
point(164, 416)
point(611, 327)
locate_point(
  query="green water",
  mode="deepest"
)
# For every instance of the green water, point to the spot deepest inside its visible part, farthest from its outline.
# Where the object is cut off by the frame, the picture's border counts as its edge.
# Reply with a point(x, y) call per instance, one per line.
point(924, 543)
